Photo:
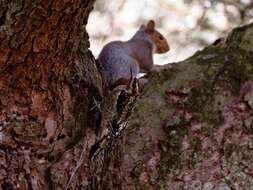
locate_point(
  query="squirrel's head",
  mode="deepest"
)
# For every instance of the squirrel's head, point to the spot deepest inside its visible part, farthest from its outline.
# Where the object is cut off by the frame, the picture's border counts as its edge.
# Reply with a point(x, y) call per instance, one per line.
point(159, 40)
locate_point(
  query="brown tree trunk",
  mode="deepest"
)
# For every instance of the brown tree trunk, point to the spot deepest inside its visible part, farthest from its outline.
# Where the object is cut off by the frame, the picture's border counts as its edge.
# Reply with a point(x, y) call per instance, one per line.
point(48, 82)
point(192, 128)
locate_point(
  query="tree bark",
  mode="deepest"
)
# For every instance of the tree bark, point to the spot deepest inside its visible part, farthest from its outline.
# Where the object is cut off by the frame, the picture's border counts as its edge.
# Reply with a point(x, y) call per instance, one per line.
point(191, 129)
point(48, 82)
point(193, 124)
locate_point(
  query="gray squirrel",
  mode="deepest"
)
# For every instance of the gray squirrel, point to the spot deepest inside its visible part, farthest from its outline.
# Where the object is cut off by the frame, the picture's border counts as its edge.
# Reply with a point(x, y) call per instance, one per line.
point(122, 61)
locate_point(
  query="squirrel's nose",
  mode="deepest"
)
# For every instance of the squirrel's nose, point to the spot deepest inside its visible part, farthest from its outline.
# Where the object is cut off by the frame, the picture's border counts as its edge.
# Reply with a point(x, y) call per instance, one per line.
point(168, 47)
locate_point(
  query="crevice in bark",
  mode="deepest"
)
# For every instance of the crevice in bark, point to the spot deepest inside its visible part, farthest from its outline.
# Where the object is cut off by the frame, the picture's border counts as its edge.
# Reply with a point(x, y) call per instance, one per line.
point(3, 17)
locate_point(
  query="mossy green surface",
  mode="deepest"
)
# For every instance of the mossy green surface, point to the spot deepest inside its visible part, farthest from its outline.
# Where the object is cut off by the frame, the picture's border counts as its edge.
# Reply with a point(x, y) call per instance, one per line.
point(203, 85)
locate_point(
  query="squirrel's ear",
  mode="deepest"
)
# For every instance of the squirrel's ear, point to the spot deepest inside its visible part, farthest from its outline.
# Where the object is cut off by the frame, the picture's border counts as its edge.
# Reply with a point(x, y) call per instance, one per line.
point(150, 26)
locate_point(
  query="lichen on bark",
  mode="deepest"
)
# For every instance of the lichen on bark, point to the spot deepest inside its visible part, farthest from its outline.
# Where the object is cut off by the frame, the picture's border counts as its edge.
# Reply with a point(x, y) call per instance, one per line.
point(192, 128)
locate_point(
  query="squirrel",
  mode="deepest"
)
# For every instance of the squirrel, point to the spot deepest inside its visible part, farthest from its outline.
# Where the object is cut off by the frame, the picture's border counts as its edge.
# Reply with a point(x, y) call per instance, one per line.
point(123, 60)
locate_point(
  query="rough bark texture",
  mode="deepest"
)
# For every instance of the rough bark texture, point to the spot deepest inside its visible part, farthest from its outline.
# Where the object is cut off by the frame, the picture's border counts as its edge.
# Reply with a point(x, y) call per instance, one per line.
point(48, 82)
point(193, 125)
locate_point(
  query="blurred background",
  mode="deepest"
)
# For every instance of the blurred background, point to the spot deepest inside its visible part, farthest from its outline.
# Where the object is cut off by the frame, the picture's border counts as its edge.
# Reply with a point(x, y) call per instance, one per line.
point(189, 25)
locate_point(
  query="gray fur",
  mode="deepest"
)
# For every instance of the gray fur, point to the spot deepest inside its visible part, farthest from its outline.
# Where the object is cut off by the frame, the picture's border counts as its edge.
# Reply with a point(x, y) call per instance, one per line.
point(120, 59)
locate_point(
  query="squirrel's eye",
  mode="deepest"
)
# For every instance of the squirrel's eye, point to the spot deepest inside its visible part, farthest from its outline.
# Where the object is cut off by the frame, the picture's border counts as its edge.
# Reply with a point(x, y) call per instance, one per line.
point(160, 37)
